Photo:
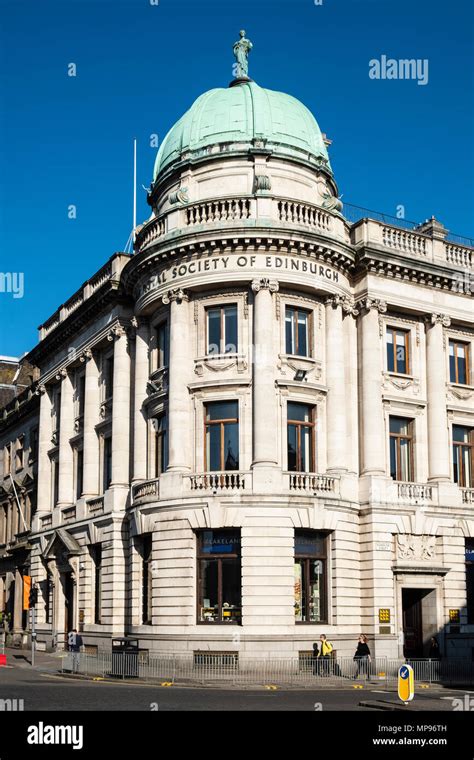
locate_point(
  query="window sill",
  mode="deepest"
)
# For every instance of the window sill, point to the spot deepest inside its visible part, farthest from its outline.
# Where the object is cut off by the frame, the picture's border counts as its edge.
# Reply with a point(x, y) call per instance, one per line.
point(401, 375)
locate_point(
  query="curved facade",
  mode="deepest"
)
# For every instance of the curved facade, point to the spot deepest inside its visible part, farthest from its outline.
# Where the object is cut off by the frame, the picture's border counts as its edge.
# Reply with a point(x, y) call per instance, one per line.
point(263, 432)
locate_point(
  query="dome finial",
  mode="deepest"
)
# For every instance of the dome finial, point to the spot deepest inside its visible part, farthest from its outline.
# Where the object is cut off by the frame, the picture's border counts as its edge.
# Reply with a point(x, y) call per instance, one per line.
point(242, 49)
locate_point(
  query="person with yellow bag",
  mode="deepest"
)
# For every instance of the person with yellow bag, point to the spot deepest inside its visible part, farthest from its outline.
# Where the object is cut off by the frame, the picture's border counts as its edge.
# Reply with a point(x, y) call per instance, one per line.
point(325, 655)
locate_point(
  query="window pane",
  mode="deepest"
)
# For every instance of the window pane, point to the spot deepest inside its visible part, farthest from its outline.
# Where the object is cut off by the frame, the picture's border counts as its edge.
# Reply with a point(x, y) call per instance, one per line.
point(214, 331)
point(231, 446)
point(162, 345)
point(300, 412)
point(222, 410)
point(231, 591)
point(302, 334)
point(390, 361)
point(456, 469)
point(310, 544)
point(289, 331)
point(292, 448)
point(316, 584)
point(462, 367)
point(209, 599)
point(405, 465)
point(461, 433)
point(213, 444)
point(230, 329)
point(466, 466)
point(399, 425)
point(306, 449)
point(401, 353)
point(219, 542)
point(299, 591)
point(393, 458)
point(452, 365)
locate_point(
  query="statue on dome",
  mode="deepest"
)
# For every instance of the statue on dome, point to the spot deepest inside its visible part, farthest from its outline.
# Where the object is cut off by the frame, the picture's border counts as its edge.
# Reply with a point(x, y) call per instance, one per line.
point(242, 49)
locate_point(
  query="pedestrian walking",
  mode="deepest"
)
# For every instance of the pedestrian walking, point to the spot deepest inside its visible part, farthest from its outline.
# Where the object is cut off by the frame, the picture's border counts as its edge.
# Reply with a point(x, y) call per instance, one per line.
point(315, 659)
point(362, 657)
point(434, 652)
point(75, 642)
point(325, 655)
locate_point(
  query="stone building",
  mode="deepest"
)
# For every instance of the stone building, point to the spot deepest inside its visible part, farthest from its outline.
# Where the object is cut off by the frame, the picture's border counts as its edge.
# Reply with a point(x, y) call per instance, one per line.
point(259, 426)
point(19, 410)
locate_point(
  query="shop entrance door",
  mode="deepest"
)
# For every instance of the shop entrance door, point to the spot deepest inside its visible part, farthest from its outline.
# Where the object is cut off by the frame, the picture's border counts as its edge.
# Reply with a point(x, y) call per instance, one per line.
point(419, 620)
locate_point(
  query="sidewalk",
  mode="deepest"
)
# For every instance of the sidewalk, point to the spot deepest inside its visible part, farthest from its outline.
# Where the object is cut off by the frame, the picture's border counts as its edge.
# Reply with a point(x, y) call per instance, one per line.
point(44, 661)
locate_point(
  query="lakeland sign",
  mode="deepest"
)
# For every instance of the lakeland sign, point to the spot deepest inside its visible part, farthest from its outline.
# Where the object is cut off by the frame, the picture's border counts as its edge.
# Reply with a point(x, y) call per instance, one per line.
point(299, 269)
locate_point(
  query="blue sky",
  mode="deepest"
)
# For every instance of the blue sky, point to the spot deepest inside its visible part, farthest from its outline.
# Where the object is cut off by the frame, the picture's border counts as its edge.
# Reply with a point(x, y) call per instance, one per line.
point(68, 140)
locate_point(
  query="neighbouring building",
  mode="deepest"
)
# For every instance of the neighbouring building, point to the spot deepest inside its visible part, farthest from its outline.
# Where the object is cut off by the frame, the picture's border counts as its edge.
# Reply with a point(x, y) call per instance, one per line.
point(259, 426)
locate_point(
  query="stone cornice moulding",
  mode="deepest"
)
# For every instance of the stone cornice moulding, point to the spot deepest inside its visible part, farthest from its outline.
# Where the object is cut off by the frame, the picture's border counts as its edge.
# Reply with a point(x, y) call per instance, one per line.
point(92, 344)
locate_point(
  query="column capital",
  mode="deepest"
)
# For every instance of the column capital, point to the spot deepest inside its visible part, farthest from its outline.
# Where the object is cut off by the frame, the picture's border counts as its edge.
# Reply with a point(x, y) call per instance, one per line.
point(438, 319)
point(367, 303)
point(117, 331)
point(85, 356)
point(40, 390)
point(61, 374)
point(265, 284)
point(176, 294)
point(138, 323)
point(345, 302)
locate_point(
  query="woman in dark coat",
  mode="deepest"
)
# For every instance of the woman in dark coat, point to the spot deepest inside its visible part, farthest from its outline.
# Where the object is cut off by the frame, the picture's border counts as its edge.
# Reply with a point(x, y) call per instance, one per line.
point(315, 656)
point(434, 652)
point(362, 657)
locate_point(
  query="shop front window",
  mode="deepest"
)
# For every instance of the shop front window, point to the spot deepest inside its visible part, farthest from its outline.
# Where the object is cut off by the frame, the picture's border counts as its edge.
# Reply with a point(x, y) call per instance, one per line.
point(310, 577)
point(219, 576)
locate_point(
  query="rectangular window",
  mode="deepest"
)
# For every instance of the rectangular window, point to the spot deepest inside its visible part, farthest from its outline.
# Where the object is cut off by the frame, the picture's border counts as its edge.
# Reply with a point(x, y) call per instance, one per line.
point(310, 577)
point(470, 580)
point(161, 444)
point(34, 439)
point(96, 554)
point(108, 376)
point(222, 330)
point(147, 591)
point(19, 452)
point(401, 449)
point(56, 408)
point(55, 473)
point(221, 425)
point(398, 350)
point(459, 362)
point(79, 457)
point(301, 429)
point(107, 462)
point(162, 343)
point(463, 448)
point(297, 331)
point(219, 576)
point(7, 463)
point(80, 393)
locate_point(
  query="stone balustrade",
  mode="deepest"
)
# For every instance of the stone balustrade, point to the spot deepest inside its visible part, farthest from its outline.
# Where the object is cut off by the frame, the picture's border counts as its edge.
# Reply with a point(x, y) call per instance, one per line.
point(228, 481)
point(415, 491)
point(313, 483)
point(467, 495)
point(95, 506)
point(148, 490)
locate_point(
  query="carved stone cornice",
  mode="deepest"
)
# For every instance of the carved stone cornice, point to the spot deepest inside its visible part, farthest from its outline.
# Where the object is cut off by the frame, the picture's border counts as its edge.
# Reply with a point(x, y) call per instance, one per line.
point(61, 374)
point(367, 303)
point(85, 356)
point(265, 283)
point(176, 294)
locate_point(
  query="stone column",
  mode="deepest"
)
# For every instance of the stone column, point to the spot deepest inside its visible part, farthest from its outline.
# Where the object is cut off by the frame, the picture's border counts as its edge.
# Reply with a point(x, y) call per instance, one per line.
point(90, 477)
point(337, 389)
point(265, 410)
point(121, 410)
point(66, 431)
point(438, 439)
point(178, 395)
point(372, 418)
point(44, 463)
point(142, 372)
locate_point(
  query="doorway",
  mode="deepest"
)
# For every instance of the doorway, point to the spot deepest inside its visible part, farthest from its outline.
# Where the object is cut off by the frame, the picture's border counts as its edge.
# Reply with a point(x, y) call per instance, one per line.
point(419, 620)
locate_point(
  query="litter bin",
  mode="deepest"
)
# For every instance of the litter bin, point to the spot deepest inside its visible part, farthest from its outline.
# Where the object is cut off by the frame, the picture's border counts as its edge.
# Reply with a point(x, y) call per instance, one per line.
point(124, 658)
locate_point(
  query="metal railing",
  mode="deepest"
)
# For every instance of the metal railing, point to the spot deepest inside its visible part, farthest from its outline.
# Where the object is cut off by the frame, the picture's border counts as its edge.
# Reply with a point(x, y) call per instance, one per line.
point(206, 667)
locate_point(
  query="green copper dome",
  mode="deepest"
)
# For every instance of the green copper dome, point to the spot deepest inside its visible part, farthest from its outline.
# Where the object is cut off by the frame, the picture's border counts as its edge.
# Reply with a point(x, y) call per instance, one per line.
point(239, 115)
